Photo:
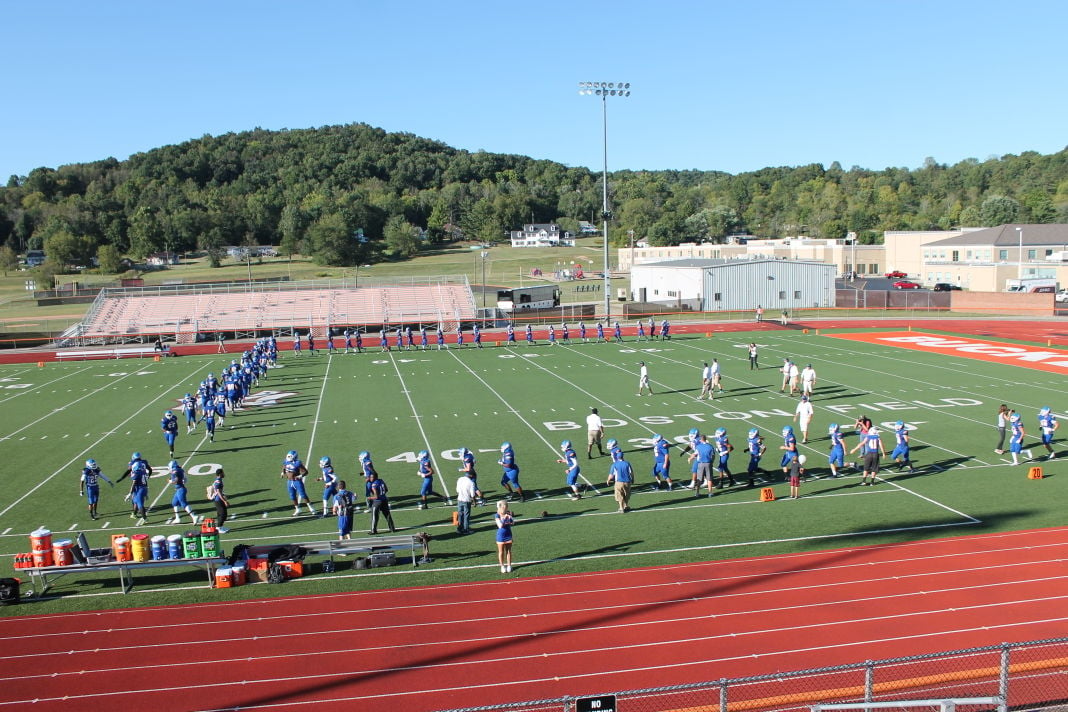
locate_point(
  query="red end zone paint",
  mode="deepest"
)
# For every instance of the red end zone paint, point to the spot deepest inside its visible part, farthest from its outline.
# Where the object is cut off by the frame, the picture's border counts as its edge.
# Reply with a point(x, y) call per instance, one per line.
point(1051, 360)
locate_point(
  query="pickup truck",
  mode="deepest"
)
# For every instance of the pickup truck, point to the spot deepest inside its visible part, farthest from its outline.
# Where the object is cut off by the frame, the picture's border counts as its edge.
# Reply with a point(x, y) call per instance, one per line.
point(896, 274)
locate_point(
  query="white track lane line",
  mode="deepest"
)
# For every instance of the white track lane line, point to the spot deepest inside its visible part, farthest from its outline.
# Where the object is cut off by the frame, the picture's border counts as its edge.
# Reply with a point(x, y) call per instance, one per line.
point(960, 568)
point(458, 667)
point(1052, 582)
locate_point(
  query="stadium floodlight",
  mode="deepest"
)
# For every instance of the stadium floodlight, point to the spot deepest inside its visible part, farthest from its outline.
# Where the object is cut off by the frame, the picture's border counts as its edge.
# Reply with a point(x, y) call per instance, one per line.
point(605, 90)
point(1019, 232)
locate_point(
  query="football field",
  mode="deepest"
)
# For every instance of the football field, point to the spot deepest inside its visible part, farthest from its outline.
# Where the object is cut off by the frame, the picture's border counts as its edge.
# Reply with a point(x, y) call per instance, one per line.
point(396, 404)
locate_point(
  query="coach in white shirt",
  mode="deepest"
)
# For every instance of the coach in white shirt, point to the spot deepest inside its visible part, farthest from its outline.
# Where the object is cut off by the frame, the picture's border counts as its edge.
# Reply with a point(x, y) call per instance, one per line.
point(594, 433)
point(466, 493)
point(804, 412)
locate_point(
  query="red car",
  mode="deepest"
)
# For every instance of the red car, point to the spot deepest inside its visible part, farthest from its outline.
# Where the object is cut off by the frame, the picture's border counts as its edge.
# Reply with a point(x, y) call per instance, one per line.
point(896, 274)
point(905, 284)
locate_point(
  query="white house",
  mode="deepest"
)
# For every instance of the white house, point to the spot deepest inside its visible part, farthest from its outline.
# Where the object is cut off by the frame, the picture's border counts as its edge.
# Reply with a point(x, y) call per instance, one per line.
point(541, 235)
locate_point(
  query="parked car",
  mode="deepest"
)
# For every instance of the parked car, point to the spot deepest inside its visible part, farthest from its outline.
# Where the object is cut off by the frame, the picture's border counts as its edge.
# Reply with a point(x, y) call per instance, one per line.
point(896, 274)
point(945, 287)
point(1062, 296)
point(905, 284)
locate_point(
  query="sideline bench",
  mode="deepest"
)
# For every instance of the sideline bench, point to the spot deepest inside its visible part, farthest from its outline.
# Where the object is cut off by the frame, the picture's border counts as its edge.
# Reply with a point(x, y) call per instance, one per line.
point(139, 351)
point(43, 577)
point(409, 543)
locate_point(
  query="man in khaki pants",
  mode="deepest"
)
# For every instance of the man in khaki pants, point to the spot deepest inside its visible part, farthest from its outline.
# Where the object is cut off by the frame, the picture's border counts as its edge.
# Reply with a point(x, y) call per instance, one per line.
point(594, 433)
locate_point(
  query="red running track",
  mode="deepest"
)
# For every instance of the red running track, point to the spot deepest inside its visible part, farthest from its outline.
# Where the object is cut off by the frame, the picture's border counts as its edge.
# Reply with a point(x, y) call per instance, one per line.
point(431, 648)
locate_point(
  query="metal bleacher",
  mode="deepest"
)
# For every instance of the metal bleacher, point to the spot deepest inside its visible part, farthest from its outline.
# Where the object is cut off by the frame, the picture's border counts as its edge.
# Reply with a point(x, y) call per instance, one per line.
point(188, 314)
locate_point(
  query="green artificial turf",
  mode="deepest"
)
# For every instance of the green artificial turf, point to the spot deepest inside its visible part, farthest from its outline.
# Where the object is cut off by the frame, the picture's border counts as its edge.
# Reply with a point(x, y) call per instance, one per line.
point(396, 404)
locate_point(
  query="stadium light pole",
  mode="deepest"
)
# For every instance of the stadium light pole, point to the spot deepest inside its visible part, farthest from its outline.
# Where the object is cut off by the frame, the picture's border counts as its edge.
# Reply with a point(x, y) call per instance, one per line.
point(605, 90)
point(485, 254)
point(1019, 231)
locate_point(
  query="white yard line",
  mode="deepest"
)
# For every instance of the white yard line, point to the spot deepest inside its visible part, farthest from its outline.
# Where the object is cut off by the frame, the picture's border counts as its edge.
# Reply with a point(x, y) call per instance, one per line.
point(166, 481)
point(710, 403)
point(45, 480)
point(90, 394)
point(419, 423)
point(319, 407)
point(822, 380)
point(516, 413)
point(43, 385)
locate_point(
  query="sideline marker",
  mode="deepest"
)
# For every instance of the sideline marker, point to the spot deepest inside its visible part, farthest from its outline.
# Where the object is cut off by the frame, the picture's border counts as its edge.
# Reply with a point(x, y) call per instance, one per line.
point(1035, 473)
point(804, 331)
point(767, 494)
point(40, 364)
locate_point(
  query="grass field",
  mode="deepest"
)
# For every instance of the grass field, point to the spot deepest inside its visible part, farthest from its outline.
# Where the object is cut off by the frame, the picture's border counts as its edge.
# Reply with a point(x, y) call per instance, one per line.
point(396, 404)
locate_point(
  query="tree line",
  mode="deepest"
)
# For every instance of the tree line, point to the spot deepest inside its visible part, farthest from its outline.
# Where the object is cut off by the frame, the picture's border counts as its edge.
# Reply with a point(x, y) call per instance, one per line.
point(350, 194)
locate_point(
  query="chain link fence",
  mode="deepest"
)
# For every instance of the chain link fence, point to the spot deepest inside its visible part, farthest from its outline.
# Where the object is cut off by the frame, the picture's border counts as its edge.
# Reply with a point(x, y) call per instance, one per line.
point(1026, 675)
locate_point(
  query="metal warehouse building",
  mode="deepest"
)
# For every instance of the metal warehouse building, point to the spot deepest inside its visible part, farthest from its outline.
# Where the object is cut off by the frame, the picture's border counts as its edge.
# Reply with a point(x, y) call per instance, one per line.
point(724, 285)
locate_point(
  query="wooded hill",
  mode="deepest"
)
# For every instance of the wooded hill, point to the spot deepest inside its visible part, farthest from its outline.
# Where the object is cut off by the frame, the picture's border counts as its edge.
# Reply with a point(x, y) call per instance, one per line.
point(310, 191)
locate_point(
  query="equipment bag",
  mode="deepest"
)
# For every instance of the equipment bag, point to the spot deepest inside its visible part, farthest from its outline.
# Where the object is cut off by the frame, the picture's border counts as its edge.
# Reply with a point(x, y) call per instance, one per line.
point(9, 591)
point(275, 573)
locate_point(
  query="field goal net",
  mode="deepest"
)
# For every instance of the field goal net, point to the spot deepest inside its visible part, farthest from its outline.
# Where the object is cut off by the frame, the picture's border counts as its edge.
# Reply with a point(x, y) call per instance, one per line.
point(946, 704)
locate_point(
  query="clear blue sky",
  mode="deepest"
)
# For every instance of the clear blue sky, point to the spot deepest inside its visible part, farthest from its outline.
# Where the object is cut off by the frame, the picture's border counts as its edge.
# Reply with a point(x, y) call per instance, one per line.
point(717, 85)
